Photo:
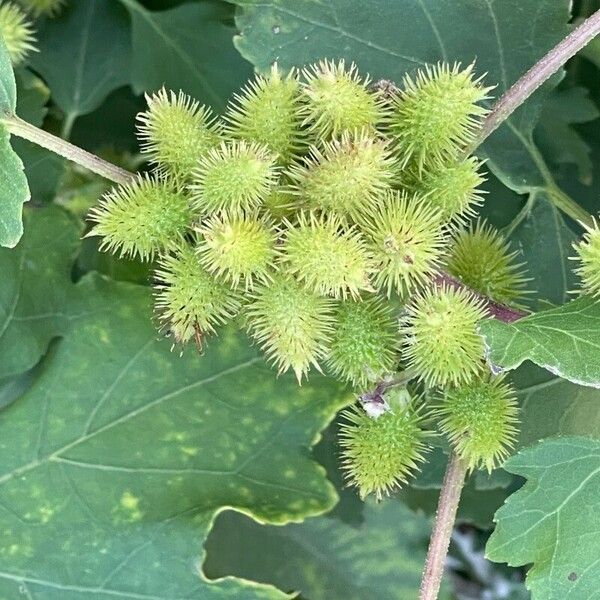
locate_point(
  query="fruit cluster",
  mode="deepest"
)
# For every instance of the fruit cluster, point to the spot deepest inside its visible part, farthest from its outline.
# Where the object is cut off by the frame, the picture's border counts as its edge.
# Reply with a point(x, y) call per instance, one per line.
point(321, 212)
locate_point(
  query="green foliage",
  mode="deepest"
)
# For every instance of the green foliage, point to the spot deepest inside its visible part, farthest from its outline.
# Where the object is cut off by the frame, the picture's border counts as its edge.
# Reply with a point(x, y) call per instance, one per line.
point(321, 214)
point(563, 340)
point(557, 134)
point(14, 191)
point(164, 53)
point(551, 406)
point(326, 558)
point(34, 288)
point(42, 169)
point(43, 7)
point(544, 238)
point(106, 446)
point(80, 85)
point(551, 521)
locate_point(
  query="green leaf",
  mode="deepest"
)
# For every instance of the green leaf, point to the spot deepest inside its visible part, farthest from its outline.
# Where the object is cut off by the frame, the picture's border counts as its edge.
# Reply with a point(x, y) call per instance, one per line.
point(120, 455)
point(112, 125)
point(11, 388)
point(35, 288)
point(556, 137)
point(84, 54)
point(545, 242)
point(349, 508)
point(188, 48)
point(587, 193)
point(563, 340)
point(391, 38)
point(14, 191)
point(325, 558)
point(431, 474)
point(91, 258)
point(551, 406)
point(503, 206)
point(592, 52)
point(32, 97)
point(8, 86)
point(497, 479)
point(117, 458)
point(552, 521)
point(43, 169)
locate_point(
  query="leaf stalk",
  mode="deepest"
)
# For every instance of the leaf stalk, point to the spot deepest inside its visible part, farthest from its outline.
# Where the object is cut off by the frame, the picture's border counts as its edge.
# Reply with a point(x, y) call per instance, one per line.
point(537, 75)
point(23, 129)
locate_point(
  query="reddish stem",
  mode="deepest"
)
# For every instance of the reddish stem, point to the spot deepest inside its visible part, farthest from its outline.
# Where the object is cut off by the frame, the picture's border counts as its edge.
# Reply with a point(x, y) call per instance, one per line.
point(494, 309)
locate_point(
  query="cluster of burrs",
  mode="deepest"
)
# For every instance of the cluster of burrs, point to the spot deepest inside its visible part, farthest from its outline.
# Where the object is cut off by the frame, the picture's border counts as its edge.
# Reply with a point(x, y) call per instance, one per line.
point(325, 215)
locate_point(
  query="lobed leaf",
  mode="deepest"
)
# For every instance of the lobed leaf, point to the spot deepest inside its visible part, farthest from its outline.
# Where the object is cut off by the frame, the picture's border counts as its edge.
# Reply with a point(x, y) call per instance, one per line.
point(85, 54)
point(552, 521)
point(562, 340)
point(189, 48)
point(35, 288)
point(14, 191)
point(120, 453)
point(324, 557)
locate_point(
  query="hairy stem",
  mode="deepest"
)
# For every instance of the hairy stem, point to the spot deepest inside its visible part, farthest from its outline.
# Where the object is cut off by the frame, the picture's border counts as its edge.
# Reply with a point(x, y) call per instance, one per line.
point(454, 480)
point(538, 74)
point(494, 309)
point(21, 128)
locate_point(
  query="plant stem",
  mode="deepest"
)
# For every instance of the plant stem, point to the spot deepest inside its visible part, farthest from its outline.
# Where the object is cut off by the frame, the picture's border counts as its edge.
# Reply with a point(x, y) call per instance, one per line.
point(21, 128)
point(538, 74)
point(494, 309)
point(565, 203)
point(67, 126)
point(454, 480)
point(560, 199)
